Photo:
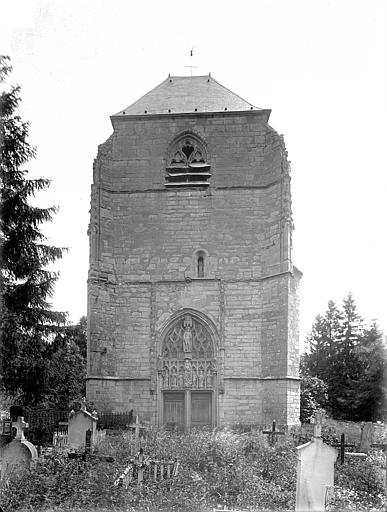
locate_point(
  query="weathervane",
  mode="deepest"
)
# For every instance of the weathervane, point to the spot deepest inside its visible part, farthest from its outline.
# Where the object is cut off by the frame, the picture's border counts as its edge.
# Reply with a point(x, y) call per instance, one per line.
point(191, 66)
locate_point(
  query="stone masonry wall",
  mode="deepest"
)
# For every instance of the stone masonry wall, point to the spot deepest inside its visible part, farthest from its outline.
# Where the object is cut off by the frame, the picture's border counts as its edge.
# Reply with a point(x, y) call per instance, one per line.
point(143, 240)
point(243, 151)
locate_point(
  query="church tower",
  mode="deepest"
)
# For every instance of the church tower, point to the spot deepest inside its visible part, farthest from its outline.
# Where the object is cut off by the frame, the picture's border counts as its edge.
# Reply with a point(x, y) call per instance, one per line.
point(192, 294)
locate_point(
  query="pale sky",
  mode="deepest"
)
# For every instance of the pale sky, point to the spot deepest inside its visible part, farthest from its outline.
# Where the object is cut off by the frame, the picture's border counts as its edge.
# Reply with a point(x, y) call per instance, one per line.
point(319, 65)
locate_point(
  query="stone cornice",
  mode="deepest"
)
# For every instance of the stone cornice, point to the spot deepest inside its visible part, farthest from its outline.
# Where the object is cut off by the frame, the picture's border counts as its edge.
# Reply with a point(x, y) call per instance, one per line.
point(287, 377)
point(171, 116)
point(190, 190)
point(189, 280)
point(111, 377)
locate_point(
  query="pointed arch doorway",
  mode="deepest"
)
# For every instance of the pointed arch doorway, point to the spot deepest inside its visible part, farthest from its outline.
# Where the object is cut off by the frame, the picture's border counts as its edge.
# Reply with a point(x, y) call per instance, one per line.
point(188, 373)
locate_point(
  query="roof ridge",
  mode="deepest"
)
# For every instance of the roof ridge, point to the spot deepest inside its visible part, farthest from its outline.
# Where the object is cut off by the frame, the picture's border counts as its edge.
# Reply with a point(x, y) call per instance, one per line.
point(232, 92)
point(143, 96)
point(188, 76)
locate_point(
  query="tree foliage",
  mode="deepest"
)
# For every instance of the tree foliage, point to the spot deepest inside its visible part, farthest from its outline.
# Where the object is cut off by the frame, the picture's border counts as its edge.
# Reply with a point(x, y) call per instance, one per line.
point(67, 366)
point(313, 397)
point(27, 320)
point(350, 360)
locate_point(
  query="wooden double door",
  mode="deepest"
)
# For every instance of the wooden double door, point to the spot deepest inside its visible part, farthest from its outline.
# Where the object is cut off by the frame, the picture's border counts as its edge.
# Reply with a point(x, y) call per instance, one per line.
point(183, 410)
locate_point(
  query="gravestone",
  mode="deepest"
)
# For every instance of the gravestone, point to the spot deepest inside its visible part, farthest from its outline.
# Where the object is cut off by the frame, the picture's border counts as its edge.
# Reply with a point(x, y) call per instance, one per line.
point(19, 453)
point(80, 422)
point(273, 433)
point(315, 471)
point(367, 437)
point(137, 428)
point(5, 432)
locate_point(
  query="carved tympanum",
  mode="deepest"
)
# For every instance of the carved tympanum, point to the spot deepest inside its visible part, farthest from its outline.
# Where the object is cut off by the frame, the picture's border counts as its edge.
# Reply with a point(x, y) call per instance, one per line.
point(188, 356)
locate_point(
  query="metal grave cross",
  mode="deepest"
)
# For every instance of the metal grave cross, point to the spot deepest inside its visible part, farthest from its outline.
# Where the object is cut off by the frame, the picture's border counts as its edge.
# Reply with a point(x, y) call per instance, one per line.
point(342, 447)
point(273, 433)
point(20, 425)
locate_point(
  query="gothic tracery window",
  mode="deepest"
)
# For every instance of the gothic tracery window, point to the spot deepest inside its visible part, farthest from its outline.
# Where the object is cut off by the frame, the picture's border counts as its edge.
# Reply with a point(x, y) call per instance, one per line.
point(187, 164)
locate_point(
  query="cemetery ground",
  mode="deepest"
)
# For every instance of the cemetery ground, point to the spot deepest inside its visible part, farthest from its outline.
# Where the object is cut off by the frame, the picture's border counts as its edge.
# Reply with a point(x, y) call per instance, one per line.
point(225, 469)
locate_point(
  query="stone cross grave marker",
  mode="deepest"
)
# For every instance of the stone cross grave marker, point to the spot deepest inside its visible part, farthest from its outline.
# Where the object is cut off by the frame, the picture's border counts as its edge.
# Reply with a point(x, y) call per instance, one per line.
point(317, 421)
point(19, 453)
point(137, 427)
point(315, 471)
point(20, 425)
point(273, 433)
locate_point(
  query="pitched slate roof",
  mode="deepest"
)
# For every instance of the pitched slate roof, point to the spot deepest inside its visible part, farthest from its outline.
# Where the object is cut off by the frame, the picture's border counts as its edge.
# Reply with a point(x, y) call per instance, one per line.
point(187, 94)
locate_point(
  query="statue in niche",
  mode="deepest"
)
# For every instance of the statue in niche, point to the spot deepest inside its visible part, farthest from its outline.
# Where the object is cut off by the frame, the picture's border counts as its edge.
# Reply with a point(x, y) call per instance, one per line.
point(173, 378)
point(165, 377)
point(201, 378)
point(209, 378)
point(194, 381)
point(187, 374)
point(187, 336)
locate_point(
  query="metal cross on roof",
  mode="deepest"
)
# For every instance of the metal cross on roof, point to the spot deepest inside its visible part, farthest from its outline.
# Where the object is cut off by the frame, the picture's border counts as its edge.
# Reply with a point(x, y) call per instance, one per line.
point(191, 66)
point(20, 425)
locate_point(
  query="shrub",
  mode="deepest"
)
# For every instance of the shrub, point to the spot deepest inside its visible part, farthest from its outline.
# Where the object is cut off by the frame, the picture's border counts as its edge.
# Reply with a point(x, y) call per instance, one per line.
point(365, 478)
point(217, 468)
point(58, 480)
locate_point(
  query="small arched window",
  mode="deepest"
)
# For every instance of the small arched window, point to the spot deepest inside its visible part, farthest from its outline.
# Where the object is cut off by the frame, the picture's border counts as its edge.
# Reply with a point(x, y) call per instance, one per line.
point(200, 262)
point(200, 266)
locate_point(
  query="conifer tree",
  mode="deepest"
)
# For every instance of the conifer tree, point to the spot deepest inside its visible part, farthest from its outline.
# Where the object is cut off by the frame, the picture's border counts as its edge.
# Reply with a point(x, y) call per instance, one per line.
point(326, 331)
point(350, 360)
point(346, 369)
point(27, 321)
point(369, 403)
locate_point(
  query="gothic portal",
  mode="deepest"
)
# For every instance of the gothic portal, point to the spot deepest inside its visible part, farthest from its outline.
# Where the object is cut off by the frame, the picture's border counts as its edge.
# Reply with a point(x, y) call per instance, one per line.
point(192, 293)
point(188, 372)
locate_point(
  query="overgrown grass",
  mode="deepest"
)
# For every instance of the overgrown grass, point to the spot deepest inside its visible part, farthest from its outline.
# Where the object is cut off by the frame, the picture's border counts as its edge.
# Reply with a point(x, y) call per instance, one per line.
point(225, 468)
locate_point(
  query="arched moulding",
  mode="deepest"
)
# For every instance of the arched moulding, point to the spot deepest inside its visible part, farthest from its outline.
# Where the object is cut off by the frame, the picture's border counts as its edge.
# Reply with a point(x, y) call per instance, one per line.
point(187, 162)
point(188, 352)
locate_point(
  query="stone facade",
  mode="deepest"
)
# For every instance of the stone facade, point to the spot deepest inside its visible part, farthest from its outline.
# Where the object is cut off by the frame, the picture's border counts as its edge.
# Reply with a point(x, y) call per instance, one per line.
point(219, 253)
